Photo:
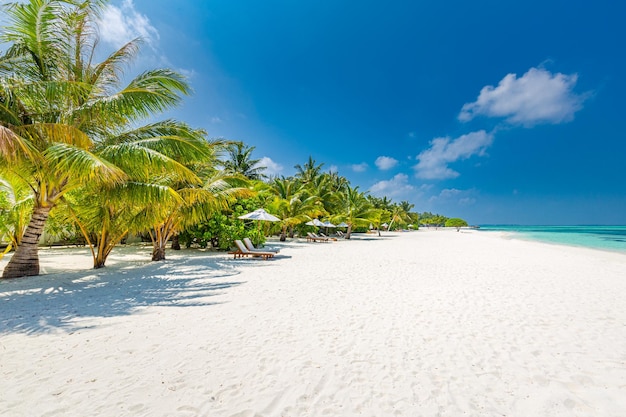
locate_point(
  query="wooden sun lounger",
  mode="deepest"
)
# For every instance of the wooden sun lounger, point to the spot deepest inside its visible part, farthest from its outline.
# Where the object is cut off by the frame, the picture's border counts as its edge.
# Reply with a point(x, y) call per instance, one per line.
point(251, 248)
point(243, 251)
point(322, 235)
point(310, 237)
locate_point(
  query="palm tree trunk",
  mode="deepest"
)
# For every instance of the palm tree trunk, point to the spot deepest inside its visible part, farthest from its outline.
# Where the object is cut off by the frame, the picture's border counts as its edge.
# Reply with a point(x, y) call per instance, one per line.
point(349, 231)
point(159, 240)
point(105, 246)
point(158, 253)
point(175, 242)
point(99, 261)
point(283, 234)
point(101, 253)
point(25, 260)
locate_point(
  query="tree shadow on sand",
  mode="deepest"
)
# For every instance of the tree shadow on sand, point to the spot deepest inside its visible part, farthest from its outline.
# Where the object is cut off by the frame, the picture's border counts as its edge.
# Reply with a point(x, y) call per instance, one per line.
point(57, 301)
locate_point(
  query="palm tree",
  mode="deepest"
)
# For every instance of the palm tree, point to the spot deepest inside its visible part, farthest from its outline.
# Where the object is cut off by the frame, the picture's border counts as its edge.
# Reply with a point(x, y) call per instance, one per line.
point(157, 160)
point(309, 172)
point(292, 205)
point(197, 204)
point(412, 217)
point(336, 181)
point(62, 113)
point(381, 202)
point(398, 215)
point(325, 187)
point(240, 162)
point(357, 210)
point(149, 156)
point(406, 206)
point(106, 216)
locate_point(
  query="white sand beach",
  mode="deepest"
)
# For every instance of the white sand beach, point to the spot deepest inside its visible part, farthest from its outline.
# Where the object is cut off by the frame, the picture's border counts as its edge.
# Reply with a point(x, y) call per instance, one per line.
point(426, 323)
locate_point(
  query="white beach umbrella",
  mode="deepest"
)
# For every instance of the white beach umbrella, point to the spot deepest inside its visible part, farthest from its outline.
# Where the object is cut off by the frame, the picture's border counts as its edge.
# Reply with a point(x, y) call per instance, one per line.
point(315, 222)
point(342, 224)
point(328, 224)
point(260, 214)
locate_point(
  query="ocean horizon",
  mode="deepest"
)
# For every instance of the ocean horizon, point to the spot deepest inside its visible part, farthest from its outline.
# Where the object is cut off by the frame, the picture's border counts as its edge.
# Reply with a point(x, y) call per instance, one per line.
point(609, 238)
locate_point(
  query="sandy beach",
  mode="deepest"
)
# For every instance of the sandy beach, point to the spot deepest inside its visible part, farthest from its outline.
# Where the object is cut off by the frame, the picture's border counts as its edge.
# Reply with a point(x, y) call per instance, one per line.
point(426, 323)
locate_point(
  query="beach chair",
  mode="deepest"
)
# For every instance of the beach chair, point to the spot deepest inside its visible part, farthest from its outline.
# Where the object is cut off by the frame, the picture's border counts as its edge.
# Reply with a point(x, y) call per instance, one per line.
point(324, 236)
point(312, 237)
point(251, 248)
point(243, 251)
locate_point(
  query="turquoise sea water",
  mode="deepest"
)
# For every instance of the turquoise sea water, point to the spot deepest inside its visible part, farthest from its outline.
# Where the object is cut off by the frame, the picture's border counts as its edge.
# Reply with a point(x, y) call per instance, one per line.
point(612, 238)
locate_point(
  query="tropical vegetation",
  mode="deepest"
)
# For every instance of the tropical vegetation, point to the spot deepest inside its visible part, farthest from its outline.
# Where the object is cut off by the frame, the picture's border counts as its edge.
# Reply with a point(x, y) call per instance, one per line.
point(456, 222)
point(84, 159)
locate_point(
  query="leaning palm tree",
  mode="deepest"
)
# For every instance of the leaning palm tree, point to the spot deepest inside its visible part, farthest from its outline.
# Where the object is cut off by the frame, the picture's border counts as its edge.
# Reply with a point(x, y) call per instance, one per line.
point(399, 215)
point(59, 109)
point(412, 217)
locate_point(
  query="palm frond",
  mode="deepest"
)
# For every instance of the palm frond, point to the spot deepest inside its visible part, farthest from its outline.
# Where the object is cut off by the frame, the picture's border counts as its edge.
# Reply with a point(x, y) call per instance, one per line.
point(173, 138)
point(107, 73)
point(52, 133)
point(80, 165)
point(35, 25)
point(151, 92)
point(143, 163)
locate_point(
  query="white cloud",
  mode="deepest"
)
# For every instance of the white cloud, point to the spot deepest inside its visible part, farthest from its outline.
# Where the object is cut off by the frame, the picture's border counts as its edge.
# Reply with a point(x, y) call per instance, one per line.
point(467, 201)
point(119, 25)
point(453, 195)
point(362, 167)
point(188, 73)
point(333, 169)
point(433, 162)
point(216, 120)
point(536, 97)
point(397, 186)
point(271, 167)
point(385, 162)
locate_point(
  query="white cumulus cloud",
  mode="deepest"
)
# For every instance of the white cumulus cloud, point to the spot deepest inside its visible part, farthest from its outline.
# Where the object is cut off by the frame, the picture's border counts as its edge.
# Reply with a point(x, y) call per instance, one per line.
point(271, 168)
point(536, 97)
point(119, 25)
point(385, 162)
point(362, 167)
point(433, 162)
point(397, 186)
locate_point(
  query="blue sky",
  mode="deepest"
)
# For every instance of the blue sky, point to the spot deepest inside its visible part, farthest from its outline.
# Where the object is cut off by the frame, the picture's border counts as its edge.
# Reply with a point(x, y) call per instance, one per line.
point(497, 112)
